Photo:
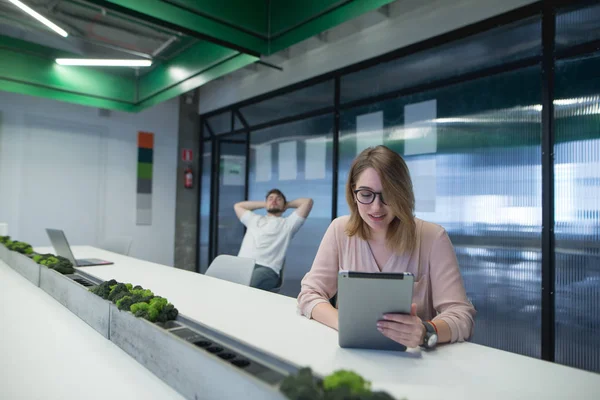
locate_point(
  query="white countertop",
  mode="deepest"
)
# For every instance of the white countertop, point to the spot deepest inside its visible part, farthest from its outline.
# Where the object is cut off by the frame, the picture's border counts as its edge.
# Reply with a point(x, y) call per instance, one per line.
point(270, 322)
point(47, 352)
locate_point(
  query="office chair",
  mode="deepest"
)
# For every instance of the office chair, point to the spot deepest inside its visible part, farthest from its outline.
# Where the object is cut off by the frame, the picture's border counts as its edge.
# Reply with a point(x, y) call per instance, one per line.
point(232, 269)
point(118, 244)
point(281, 278)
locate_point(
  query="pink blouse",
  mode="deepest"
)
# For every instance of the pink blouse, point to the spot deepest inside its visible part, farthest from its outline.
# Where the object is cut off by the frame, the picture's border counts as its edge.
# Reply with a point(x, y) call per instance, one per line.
point(438, 290)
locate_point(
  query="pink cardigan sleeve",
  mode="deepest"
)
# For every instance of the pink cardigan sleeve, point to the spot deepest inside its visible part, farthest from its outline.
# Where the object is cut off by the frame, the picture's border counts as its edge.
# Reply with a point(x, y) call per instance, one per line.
point(448, 291)
point(320, 283)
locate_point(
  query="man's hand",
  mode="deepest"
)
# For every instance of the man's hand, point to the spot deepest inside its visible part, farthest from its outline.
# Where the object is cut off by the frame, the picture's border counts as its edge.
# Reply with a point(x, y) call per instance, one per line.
point(243, 206)
point(304, 205)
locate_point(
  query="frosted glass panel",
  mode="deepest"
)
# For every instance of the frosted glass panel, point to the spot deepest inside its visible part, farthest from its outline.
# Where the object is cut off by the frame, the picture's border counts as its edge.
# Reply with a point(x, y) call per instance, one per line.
point(483, 184)
point(232, 177)
point(577, 213)
point(220, 123)
point(497, 46)
point(310, 180)
point(575, 27)
point(289, 104)
point(205, 206)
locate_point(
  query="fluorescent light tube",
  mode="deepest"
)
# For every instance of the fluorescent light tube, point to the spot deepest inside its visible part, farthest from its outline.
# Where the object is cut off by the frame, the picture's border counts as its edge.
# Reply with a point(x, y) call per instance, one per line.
point(40, 18)
point(103, 63)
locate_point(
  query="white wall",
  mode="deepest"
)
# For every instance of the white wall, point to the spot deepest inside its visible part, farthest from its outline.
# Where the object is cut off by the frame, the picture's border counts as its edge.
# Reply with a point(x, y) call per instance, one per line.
point(64, 166)
point(410, 21)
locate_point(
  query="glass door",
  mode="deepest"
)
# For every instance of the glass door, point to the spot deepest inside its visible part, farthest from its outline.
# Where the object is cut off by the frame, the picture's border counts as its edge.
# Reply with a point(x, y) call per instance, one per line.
point(232, 189)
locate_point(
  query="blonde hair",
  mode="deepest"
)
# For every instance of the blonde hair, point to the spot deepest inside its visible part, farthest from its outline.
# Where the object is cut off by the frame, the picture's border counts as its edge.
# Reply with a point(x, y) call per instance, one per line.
point(398, 194)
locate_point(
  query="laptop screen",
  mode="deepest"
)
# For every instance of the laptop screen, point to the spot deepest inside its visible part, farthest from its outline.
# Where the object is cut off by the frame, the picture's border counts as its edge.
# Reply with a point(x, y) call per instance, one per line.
point(60, 244)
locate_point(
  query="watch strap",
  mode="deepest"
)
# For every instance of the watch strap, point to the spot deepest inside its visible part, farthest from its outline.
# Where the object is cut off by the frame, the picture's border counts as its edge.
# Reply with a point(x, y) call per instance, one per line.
point(430, 330)
point(430, 327)
point(434, 327)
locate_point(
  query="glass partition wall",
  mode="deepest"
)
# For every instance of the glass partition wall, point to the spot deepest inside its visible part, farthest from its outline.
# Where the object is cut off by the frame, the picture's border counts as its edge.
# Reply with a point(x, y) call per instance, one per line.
point(577, 187)
point(477, 173)
point(296, 159)
point(469, 113)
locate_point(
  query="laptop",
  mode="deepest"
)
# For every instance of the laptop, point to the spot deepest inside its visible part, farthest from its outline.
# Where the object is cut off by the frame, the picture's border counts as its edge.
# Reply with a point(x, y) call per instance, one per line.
point(62, 248)
point(363, 298)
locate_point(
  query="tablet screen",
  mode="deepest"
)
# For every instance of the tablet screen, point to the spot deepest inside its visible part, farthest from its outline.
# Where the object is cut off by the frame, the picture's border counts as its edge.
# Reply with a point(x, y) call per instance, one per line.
point(363, 299)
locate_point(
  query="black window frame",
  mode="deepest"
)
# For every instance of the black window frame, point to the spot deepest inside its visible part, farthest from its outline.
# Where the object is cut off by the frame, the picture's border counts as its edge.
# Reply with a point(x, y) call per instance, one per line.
point(547, 10)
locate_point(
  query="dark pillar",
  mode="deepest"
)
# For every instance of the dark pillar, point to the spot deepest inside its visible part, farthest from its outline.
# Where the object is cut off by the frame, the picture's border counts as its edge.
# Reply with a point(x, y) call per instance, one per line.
point(187, 200)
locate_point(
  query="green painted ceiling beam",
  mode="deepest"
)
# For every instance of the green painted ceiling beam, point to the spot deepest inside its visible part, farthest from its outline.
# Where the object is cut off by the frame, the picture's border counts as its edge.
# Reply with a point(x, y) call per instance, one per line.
point(286, 14)
point(236, 33)
point(69, 97)
point(195, 59)
point(20, 64)
point(248, 15)
point(188, 22)
point(238, 25)
point(23, 70)
point(225, 67)
point(280, 10)
point(23, 46)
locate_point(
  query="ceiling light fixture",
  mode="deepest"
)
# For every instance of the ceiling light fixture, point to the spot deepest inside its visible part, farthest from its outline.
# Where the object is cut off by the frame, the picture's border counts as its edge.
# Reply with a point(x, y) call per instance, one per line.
point(103, 63)
point(40, 18)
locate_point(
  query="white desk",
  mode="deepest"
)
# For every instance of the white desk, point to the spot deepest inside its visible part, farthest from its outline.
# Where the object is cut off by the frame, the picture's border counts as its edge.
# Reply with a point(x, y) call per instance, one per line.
point(46, 352)
point(270, 323)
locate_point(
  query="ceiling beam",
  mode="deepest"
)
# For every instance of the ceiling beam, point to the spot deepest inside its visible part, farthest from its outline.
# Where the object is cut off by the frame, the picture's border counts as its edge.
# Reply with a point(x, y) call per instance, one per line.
point(197, 58)
point(270, 65)
point(30, 69)
point(41, 37)
point(319, 23)
point(25, 69)
point(384, 10)
point(211, 72)
point(180, 20)
point(198, 11)
point(323, 37)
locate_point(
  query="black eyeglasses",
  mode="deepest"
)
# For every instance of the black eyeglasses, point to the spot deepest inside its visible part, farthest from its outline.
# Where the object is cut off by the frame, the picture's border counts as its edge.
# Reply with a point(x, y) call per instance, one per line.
point(366, 196)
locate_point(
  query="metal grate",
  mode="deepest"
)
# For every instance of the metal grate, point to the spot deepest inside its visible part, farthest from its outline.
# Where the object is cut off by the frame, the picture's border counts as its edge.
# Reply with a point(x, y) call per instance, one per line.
point(82, 281)
point(236, 357)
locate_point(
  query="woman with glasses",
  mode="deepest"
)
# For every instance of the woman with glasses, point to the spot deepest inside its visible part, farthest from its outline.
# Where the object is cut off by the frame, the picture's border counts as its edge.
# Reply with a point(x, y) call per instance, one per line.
point(381, 234)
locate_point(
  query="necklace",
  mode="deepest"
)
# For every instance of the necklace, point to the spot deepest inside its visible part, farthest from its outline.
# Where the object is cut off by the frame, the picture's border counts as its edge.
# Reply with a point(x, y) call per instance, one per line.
point(373, 255)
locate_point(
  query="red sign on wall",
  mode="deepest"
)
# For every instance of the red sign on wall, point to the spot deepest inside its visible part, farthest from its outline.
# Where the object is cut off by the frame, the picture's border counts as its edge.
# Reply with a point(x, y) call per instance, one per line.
point(186, 155)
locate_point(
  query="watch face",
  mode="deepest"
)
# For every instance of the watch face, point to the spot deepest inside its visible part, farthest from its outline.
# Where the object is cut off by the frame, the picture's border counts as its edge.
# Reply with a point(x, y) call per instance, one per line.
point(432, 341)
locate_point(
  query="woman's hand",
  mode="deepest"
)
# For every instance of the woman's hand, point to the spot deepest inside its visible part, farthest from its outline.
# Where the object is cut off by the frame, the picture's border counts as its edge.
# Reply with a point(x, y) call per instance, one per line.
point(404, 329)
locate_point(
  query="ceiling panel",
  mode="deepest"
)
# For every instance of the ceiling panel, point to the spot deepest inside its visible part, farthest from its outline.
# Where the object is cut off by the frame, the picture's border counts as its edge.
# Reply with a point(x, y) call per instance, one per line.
point(190, 42)
point(17, 65)
point(337, 13)
point(223, 68)
point(287, 14)
point(197, 59)
point(247, 15)
point(168, 15)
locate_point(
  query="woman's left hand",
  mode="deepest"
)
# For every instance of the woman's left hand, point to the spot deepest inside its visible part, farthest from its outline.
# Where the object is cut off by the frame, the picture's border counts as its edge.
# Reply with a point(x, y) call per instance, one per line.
point(402, 328)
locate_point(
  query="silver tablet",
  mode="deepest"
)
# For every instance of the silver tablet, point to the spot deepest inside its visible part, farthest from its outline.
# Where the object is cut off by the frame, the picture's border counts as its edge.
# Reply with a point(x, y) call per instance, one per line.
point(363, 299)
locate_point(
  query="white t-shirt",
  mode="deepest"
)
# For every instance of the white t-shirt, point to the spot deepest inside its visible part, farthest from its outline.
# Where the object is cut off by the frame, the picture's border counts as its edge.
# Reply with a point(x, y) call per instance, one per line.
point(267, 238)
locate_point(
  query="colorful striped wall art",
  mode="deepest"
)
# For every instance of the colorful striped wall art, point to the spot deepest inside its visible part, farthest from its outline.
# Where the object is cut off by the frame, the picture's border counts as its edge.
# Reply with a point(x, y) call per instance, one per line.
point(144, 178)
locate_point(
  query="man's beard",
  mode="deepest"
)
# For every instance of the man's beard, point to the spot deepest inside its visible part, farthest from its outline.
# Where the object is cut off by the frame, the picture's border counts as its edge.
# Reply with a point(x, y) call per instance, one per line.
point(275, 210)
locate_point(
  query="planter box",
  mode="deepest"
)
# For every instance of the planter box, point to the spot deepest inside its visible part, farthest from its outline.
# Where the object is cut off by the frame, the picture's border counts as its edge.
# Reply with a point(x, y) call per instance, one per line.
point(4, 253)
point(92, 309)
point(193, 372)
point(25, 266)
point(174, 352)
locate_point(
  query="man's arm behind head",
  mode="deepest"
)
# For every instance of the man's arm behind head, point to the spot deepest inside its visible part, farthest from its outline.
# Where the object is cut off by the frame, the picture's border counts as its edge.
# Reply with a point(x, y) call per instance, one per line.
point(243, 206)
point(303, 205)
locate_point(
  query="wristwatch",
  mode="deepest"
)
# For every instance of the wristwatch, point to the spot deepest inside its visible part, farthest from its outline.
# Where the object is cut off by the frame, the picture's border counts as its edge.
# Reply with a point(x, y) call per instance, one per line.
point(431, 337)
